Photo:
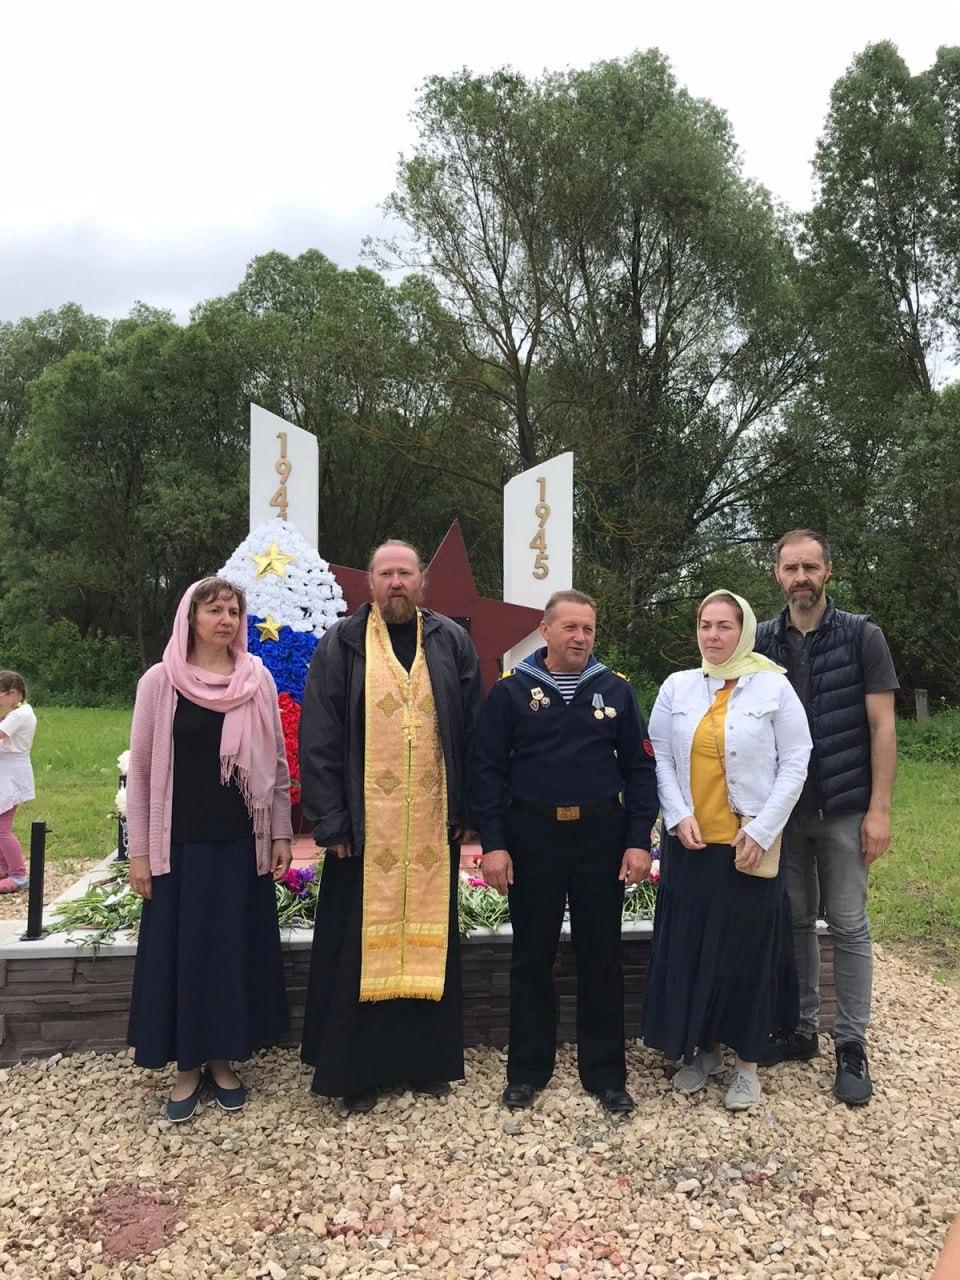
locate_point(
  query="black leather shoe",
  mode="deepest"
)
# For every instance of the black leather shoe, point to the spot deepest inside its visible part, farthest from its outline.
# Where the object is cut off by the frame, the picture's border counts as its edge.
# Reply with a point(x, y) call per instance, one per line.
point(852, 1084)
point(432, 1088)
point(357, 1103)
point(616, 1100)
point(790, 1047)
point(518, 1095)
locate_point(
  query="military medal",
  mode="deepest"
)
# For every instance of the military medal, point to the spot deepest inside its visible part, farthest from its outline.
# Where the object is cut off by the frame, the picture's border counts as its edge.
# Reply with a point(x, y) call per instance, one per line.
point(598, 706)
point(544, 701)
point(609, 712)
point(536, 697)
point(534, 704)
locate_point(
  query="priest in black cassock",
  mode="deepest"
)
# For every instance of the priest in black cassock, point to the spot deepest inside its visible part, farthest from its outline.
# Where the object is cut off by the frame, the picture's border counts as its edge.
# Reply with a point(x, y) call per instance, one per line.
point(388, 713)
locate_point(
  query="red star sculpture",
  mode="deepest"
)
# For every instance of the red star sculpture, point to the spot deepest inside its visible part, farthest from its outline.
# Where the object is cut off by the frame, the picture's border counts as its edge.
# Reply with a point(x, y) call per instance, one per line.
point(494, 625)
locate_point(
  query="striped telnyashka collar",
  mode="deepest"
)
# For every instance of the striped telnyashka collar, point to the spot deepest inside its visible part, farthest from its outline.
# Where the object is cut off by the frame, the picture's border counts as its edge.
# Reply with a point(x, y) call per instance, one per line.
point(534, 668)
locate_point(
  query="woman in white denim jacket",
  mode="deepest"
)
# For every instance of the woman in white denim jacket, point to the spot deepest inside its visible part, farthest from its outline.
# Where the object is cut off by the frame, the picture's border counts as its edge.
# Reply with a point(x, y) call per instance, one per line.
point(732, 746)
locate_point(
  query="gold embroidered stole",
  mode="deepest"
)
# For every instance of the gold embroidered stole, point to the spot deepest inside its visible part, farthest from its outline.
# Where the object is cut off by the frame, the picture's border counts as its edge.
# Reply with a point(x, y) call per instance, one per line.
point(406, 863)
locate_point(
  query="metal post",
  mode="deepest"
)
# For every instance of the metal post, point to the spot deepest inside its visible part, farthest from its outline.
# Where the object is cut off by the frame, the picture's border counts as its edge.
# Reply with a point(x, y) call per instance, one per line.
point(38, 848)
point(122, 829)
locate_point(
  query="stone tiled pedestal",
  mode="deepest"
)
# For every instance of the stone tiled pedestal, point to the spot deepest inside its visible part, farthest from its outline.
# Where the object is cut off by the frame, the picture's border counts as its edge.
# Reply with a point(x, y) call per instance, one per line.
point(60, 997)
point(57, 998)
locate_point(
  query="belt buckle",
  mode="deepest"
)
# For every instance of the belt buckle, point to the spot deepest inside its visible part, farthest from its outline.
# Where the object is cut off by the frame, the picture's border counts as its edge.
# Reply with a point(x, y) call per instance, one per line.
point(568, 813)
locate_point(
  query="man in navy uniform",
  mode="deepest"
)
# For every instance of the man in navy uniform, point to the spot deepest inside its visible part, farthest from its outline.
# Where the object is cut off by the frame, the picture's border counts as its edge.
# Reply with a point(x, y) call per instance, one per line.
point(560, 740)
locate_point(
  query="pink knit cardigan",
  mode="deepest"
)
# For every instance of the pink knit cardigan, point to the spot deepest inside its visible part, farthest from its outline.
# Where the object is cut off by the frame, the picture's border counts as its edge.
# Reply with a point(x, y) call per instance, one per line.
point(150, 782)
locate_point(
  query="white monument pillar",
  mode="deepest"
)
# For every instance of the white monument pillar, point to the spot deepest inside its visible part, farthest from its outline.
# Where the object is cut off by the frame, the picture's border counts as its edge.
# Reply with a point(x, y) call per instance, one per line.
point(284, 474)
point(537, 540)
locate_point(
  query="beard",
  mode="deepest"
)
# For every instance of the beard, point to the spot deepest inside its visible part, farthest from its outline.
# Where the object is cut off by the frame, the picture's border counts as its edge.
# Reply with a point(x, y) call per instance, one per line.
point(805, 602)
point(398, 609)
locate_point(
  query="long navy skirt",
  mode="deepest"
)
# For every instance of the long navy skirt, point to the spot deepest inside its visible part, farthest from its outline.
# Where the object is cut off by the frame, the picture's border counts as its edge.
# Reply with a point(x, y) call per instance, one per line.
point(721, 964)
point(208, 981)
point(358, 1046)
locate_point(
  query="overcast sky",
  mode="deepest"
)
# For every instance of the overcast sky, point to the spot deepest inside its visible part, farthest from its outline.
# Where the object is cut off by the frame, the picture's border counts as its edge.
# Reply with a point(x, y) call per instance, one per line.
point(150, 151)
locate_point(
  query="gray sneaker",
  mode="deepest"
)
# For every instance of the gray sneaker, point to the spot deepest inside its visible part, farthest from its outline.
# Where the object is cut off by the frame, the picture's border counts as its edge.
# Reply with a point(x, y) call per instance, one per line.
point(743, 1091)
point(692, 1078)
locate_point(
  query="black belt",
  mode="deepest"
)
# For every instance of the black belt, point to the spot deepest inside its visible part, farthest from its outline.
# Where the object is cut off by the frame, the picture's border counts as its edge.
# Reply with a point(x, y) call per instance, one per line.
point(567, 812)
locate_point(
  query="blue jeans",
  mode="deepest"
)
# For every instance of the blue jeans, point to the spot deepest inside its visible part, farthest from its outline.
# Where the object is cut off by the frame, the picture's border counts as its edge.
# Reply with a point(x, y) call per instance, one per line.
point(824, 866)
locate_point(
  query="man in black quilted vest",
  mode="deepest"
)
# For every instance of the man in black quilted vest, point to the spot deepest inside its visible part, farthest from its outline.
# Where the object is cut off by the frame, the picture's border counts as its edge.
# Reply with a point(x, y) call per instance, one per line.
point(841, 668)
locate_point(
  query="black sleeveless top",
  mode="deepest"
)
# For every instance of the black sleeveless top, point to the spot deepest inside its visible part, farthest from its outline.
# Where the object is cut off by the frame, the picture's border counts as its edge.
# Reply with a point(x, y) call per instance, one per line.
point(204, 809)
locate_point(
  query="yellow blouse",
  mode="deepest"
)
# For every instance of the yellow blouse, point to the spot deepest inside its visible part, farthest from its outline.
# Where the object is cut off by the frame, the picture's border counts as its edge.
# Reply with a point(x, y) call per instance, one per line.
point(708, 780)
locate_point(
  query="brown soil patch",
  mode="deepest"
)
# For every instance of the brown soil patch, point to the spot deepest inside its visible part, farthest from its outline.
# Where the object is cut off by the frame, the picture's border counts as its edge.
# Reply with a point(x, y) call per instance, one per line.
point(129, 1222)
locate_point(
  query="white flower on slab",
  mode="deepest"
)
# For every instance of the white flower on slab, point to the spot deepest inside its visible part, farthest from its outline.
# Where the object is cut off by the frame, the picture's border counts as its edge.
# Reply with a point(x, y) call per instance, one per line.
point(295, 587)
point(120, 802)
point(123, 762)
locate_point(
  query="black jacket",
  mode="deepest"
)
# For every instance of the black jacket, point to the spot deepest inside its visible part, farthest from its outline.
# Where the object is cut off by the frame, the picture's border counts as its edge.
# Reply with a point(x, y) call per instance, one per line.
point(332, 723)
point(837, 706)
point(562, 753)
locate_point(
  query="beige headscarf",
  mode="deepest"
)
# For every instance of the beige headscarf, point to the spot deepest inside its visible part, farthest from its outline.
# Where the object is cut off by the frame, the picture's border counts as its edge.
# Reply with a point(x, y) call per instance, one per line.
point(743, 661)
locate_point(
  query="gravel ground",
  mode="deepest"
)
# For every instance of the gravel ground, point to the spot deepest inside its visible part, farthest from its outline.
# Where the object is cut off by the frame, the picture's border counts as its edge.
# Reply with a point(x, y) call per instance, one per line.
point(57, 877)
point(94, 1184)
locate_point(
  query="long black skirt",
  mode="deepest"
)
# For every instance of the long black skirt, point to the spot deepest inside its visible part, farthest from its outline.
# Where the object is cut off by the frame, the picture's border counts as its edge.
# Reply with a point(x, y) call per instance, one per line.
point(208, 981)
point(377, 1044)
point(721, 967)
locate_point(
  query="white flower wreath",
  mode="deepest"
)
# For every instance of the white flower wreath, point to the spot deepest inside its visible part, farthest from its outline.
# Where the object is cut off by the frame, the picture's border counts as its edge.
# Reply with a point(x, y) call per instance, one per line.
point(306, 597)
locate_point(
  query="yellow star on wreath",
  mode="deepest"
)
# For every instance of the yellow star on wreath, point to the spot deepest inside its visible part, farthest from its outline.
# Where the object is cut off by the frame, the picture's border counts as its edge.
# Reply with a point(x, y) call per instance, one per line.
point(269, 629)
point(273, 560)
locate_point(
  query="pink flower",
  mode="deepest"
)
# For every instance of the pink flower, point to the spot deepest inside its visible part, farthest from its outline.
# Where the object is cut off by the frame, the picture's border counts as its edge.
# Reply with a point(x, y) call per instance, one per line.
point(654, 875)
point(475, 882)
point(298, 880)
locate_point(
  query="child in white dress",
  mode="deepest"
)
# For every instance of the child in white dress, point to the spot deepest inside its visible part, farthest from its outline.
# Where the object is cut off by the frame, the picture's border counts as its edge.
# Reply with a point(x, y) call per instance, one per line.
point(17, 728)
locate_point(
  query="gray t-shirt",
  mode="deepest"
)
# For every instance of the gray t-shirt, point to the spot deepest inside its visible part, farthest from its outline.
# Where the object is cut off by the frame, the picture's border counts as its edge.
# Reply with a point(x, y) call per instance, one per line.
point(879, 676)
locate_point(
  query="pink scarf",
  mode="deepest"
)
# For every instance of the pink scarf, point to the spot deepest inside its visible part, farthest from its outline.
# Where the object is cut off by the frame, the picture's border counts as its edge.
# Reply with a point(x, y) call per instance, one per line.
point(248, 745)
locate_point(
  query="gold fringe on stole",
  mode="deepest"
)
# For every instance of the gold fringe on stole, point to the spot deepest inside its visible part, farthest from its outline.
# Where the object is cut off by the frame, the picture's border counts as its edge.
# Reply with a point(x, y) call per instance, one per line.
point(406, 859)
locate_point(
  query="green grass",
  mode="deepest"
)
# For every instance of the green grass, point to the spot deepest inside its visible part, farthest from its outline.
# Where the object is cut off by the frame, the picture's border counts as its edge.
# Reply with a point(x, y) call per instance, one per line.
point(75, 765)
point(915, 888)
point(914, 894)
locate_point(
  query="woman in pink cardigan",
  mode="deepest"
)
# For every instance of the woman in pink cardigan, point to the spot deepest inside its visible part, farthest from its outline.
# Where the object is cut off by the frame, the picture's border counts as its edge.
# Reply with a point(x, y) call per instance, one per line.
point(208, 821)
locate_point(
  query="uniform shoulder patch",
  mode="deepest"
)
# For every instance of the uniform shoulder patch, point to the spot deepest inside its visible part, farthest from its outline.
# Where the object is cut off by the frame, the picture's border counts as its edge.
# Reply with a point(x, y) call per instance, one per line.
point(648, 747)
point(621, 675)
point(508, 672)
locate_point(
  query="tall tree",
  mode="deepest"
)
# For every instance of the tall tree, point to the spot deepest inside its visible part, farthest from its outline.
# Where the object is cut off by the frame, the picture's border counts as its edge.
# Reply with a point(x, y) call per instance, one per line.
point(914, 583)
point(367, 367)
point(29, 347)
point(881, 268)
point(128, 479)
point(876, 235)
point(620, 289)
